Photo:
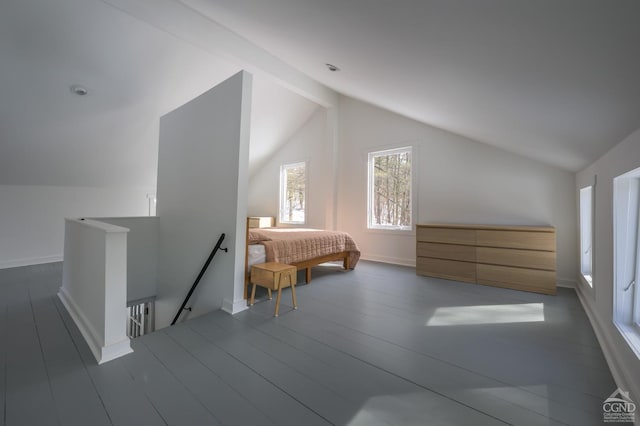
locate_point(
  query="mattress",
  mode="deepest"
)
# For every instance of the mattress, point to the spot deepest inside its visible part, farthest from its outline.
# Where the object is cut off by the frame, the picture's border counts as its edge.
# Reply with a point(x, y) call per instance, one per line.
point(257, 254)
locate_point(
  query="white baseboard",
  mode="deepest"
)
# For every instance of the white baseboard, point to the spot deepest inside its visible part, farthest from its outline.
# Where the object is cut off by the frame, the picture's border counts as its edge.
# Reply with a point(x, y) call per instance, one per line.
point(115, 350)
point(562, 282)
point(234, 307)
point(91, 336)
point(387, 259)
point(619, 370)
point(30, 261)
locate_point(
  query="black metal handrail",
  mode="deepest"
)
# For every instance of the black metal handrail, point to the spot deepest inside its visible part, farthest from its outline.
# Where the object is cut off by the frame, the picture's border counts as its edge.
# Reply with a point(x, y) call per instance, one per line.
point(195, 284)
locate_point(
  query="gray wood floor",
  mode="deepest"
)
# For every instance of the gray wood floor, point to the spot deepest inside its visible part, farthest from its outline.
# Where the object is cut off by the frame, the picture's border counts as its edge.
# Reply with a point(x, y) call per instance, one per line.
point(377, 345)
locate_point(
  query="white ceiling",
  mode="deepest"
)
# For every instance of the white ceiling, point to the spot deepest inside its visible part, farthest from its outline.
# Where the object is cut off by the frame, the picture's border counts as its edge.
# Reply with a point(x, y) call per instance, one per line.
point(134, 73)
point(554, 81)
point(557, 81)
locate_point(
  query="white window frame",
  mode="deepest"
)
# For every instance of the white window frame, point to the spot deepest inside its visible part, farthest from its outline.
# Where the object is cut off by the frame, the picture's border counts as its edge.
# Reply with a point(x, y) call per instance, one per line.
point(152, 202)
point(626, 257)
point(370, 188)
point(283, 190)
point(586, 196)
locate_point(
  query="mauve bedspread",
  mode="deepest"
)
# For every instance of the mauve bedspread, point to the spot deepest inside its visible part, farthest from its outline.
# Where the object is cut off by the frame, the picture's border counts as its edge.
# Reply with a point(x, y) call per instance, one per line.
point(291, 245)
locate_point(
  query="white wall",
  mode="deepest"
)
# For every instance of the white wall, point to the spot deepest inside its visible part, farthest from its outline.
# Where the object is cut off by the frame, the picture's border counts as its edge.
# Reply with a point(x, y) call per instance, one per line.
point(32, 217)
point(458, 180)
point(142, 254)
point(598, 302)
point(309, 144)
point(202, 167)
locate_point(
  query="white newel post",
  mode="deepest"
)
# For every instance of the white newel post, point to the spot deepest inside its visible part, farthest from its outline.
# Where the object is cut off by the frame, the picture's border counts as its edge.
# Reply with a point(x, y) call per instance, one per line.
point(94, 285)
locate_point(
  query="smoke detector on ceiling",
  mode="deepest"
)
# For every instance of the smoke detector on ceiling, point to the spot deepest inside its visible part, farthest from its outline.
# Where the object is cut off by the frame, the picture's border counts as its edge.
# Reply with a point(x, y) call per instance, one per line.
point(79, 90)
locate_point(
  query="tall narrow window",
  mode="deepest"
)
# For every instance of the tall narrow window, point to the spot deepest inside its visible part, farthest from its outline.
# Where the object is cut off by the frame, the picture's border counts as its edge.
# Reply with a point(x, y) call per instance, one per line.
point(626, 224)
point(293, 183)
point(586, 233)
point(152, 201)
point(389, 194)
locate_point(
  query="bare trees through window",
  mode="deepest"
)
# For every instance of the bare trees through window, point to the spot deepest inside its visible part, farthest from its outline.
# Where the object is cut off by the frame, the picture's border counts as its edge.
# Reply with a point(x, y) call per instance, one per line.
point(390, 189)
point(293, 179)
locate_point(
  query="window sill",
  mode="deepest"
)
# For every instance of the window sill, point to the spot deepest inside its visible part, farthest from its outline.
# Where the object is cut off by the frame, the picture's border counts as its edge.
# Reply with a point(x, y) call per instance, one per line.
point(391, 231)
point(587, 279)
point(631, 334)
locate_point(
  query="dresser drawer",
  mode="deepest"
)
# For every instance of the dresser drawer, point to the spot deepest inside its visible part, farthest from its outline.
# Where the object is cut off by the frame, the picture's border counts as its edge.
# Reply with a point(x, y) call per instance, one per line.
point(517, 278)
point(448, 269)
point(517, 257)
point(446, 235)
point(517, 239)
point(513, 257)
point(446, 251)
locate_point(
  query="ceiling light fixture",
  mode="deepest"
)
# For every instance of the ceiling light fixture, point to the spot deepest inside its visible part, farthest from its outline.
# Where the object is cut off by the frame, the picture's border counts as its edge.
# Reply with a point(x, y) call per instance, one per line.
point(79, 90)
point(332, 67)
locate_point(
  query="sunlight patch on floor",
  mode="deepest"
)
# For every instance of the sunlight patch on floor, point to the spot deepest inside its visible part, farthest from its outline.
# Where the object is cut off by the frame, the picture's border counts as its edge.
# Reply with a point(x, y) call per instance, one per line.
point(527, 397)
point(487, 314)
point(412, 409)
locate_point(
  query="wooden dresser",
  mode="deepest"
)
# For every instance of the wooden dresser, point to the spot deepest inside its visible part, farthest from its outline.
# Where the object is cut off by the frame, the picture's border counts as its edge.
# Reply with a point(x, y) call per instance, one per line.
point(517, 257)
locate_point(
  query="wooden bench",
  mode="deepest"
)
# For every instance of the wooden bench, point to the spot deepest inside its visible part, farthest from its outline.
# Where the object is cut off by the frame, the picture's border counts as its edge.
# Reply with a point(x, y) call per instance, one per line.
point(274, 276)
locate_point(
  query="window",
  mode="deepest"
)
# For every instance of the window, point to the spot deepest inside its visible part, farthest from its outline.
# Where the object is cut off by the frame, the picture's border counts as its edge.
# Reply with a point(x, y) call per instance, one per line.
point(293, 180)
point(389, 192)
point(586, 233)
point(626, 240)
point(152, 201)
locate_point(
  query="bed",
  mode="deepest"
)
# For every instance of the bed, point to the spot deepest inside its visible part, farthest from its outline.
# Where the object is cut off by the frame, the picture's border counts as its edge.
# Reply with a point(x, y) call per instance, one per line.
point(300, 247)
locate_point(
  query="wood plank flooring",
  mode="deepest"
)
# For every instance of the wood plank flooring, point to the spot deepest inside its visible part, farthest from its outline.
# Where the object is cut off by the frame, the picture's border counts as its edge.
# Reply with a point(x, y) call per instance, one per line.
point(374, 346)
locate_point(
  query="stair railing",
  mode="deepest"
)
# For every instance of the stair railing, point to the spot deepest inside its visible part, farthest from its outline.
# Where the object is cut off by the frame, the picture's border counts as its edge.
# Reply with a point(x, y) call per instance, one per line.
point(195, 284)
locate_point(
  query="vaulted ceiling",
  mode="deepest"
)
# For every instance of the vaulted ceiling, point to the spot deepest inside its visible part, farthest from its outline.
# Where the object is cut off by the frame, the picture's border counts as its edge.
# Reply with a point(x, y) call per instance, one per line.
point(553, 81)
point(557, 81)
